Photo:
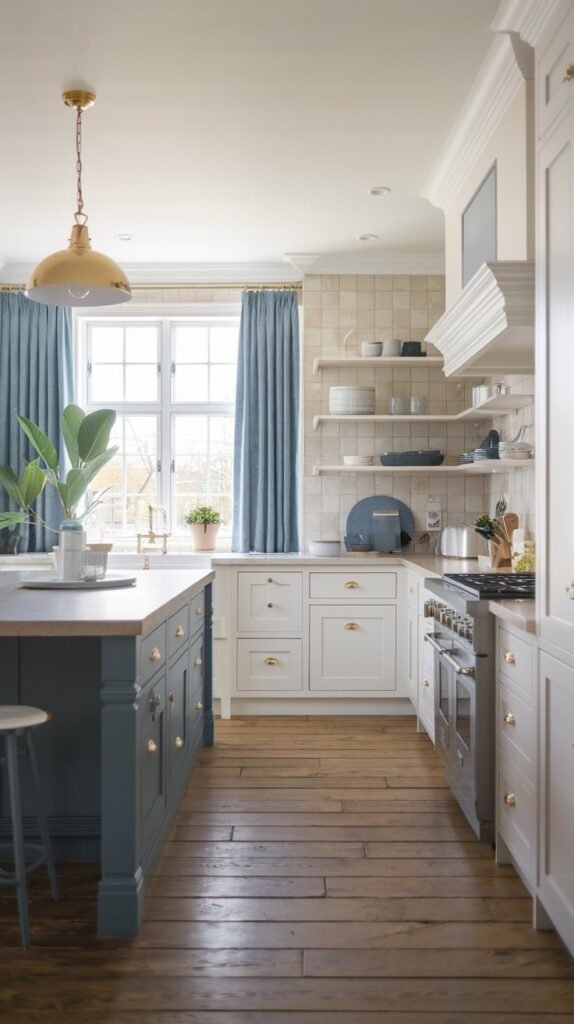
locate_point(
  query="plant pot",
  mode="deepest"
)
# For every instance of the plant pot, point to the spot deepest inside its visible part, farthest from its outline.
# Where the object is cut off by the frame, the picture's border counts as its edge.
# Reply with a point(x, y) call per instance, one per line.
point(14, 540)
point(204, 537)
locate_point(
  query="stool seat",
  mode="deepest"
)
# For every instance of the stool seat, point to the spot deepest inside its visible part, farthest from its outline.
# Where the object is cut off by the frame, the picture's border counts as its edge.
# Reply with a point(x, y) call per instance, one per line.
point(18, 716)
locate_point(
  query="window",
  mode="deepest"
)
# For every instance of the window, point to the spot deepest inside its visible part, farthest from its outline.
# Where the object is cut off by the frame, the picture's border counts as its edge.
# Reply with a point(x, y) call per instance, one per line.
point(172, 384)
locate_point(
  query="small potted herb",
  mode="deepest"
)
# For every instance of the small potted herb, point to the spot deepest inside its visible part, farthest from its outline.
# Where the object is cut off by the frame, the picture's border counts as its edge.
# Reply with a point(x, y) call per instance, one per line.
point(204, 522)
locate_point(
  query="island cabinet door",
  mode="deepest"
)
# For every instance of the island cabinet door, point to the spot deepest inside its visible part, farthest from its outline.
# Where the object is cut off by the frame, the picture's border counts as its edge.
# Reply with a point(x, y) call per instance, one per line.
point(196, 694)
point(153, 757)
point(352, 648)
point(177, 716)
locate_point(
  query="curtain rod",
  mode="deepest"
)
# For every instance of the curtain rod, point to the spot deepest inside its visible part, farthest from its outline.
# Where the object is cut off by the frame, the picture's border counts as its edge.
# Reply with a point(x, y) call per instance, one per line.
point(193, 286)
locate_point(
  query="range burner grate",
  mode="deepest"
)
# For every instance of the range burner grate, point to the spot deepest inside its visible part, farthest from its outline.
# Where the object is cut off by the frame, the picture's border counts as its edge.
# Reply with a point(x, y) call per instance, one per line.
point(493, 586)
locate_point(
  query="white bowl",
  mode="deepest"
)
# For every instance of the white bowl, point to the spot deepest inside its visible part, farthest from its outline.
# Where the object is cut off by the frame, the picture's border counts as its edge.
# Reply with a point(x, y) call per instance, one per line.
point(358, 460)
point(325, 548)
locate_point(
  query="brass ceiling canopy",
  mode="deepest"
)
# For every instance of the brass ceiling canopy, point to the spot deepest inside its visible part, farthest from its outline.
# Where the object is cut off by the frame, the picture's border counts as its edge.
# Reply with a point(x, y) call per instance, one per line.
point(78, 275)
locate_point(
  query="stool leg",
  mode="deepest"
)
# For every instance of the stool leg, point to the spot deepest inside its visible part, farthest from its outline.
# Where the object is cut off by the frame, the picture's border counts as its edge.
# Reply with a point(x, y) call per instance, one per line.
point(44, 832)
point(19, 861)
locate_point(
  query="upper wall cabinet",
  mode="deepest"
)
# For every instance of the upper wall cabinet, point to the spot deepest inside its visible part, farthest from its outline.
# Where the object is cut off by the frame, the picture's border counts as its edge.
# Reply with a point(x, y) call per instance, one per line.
point(489, 329)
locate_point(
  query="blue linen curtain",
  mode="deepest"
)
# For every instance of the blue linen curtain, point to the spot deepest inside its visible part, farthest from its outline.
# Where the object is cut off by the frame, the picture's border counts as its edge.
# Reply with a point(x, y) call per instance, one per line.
point(36, 380)
point(266, 470)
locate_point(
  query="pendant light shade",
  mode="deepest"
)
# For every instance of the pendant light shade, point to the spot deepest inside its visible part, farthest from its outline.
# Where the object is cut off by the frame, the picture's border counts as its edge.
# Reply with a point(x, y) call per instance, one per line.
point(78, 275)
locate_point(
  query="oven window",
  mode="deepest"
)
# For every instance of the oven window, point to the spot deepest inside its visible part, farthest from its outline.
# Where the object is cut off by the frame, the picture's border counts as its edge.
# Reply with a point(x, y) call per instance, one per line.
point(443, 690)
point(463, 713)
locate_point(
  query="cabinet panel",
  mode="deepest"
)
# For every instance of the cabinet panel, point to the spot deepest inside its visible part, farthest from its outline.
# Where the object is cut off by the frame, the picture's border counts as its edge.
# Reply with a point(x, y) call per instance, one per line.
point(153, 652)
point(196, 690)
point(177, 697)
point(412, 655)
point(556, 798)
point(269, 602)
point(516, 730)
point(515, 659)
point(516, 816)
point(412, 591)
point(270, 665)
point(553, 90)
point(352, 648)
point(353, 585)
point(153, 758)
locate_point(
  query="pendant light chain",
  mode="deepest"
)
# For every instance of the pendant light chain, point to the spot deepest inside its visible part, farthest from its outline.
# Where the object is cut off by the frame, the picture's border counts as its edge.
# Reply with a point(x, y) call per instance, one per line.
point(80, 216)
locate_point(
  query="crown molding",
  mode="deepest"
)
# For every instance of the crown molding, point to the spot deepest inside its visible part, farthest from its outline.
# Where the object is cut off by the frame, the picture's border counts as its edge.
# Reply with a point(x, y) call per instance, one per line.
point(494, 89)
point(389, 262)
point(529, 19)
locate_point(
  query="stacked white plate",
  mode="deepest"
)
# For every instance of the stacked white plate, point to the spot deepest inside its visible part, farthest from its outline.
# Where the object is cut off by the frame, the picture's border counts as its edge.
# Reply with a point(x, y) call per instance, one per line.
point(352, 400)
point(515, 450)
point(357, 460)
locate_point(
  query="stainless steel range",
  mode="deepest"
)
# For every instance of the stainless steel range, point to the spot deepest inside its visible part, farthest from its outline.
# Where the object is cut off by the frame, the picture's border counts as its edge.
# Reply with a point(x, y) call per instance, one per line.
point(464, 644)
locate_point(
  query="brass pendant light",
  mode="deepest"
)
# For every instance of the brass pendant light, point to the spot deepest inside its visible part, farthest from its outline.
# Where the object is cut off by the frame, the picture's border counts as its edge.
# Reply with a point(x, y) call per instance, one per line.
point(78, 276)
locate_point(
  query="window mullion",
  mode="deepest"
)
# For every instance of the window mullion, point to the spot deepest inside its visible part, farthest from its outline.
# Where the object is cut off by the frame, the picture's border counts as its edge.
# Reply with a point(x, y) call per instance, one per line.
point(164, 448)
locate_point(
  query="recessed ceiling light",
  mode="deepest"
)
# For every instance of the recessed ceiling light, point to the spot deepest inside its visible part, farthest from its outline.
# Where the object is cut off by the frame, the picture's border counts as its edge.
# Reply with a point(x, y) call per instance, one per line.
point(125, 238)
point(379, 190)
point(367, 238)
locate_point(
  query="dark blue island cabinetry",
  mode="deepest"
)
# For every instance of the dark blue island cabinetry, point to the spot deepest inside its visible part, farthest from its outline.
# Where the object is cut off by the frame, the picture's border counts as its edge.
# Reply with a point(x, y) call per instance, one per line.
point(127, 677)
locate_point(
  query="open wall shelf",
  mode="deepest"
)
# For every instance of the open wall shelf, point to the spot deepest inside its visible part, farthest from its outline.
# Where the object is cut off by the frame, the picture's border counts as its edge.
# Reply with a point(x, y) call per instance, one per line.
point(496, 405)
point(347, 362)
point(485, 467)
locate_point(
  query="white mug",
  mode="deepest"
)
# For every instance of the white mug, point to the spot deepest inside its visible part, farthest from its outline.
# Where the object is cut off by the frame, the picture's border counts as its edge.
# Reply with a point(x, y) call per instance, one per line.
point(392, 347)
point(371, 348)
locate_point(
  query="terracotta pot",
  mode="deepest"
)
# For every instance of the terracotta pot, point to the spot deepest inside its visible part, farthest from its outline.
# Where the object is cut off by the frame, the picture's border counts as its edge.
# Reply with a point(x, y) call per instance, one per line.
point(204, 537)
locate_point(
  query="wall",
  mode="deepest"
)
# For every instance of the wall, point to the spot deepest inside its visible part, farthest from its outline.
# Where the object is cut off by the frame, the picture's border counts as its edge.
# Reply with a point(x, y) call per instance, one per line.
point(517, 488)
point(379, 307)
point(512, 147)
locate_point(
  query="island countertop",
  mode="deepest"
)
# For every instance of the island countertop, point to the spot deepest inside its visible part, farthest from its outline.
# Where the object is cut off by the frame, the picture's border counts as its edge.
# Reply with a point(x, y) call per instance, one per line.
point(129, 611)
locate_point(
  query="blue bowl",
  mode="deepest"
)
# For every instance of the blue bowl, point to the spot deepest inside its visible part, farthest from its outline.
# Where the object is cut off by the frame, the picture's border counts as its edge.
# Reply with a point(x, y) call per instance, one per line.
point(422, 458)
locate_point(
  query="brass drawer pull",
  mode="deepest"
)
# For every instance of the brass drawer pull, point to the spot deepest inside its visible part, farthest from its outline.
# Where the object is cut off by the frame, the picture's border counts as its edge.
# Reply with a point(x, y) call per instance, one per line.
point(270, 579)
point(179, 742)
point(152, 747)
point(199, 706)
point(412, 590)
point(351, 585)
point(199, 610)
point(509, 658)
point(155, 654)
point(351, 625)
point(269, 604)
point(179, 631)
point(171, 697)
point(509, 719)
point(570, 590)
point(569, 76)
point(510, 799)
point(198, 660)
point(271, 661)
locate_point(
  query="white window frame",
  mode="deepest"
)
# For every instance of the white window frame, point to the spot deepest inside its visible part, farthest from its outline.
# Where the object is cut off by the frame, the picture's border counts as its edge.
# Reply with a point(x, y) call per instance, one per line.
point(164, 409)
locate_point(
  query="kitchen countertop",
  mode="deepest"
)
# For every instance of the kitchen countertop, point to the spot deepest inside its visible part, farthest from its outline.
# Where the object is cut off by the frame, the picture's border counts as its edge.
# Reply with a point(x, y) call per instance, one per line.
point(521, 614)
point(126, 612)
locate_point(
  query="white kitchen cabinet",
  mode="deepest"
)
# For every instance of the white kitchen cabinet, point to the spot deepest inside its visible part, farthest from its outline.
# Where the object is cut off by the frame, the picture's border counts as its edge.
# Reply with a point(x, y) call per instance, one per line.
point(269, 602)
point(412, 654)
point(352, 648)
point(556, 795)
point(356, 586)
point(270, 665)
point(553, 87)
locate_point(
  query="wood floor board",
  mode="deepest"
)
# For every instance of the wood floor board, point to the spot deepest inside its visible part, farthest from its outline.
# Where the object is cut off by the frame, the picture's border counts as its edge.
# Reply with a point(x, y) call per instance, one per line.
point(319, 871)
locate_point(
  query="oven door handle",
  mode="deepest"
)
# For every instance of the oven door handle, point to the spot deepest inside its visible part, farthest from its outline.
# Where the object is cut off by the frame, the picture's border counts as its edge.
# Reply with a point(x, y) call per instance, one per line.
point(461, 670)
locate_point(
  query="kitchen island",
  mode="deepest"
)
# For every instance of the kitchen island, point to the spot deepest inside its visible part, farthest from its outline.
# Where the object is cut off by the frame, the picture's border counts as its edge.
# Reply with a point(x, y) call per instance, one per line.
point(127, 678)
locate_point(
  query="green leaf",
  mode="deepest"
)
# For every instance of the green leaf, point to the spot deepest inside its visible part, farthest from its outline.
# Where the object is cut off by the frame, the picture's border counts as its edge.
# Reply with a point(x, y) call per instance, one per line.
point(11, 484)
point(71, 421)
point(93, 467)
point(33, 480)
point(8, 519)
point(76, 485)
point(94, 433)
point(41, 442)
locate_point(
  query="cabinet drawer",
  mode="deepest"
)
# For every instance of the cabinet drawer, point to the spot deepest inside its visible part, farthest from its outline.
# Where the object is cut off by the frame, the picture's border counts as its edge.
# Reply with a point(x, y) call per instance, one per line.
point(426, 697)
point(516, 730)
point(515, 660)
point(196, 697)
point(269, 602)
point(153, 652)
point(177, 630)
point(352, 648)
point(515, 816)
point(197, 613)
point(353, 585)
point(553, 90)
point(270, 665)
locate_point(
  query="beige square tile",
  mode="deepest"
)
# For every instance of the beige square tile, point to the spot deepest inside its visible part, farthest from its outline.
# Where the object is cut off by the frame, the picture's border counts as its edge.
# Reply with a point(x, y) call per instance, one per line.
point(366, 300)
point(311, 283)
point(436, 301)
point(348, 299)
point(330, 282)
point(436, 282)
point(400, 282)
point(348, 282)
point(312, 317)
point(384, 318)
point(419, 300)
point(365, 317)
point(401, 319)
point(365, 282)
point(418, 318)
point(348, 318)
point(311, 300)
point(383, 283)
point(401, 299)
point(330, 299)
point(418, 282)
point(330, 318)
point(383, 300)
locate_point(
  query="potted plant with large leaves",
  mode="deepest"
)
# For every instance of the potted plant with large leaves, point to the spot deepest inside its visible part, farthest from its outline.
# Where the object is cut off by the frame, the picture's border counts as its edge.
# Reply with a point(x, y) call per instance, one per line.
point(86, 438)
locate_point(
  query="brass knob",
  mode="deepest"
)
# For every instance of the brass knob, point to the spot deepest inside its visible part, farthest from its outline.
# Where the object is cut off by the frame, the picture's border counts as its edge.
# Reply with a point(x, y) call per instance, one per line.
point(198, 660)
point(510, 799)
point(271, 661)
point(199, 706)
point(178, 742)
point(270, 579)
point(270, 604)
point(199, 610)
point(569, 76)
point(570, 590)
point(152, 747)
point(351, 585)
point(509, 658)
point(179, 631)
point(171, 697)
point(426, 682)
point(351, 625)
point(155, 654)
point(412, 590)
point(510, 719)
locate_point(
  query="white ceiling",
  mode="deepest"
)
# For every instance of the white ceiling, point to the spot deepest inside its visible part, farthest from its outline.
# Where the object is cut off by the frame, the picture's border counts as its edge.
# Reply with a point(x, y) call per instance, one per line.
point(232, 130)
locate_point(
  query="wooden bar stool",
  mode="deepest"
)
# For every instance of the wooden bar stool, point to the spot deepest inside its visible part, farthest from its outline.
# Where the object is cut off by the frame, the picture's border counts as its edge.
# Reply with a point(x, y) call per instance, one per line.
point(18, 721)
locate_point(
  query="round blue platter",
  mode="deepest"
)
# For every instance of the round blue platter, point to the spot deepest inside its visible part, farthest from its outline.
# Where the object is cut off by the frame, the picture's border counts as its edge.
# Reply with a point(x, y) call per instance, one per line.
point(360, 518)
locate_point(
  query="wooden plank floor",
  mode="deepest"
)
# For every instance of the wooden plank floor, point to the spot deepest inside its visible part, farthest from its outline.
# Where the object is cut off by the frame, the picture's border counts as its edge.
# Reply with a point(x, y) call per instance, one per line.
point(319, 872)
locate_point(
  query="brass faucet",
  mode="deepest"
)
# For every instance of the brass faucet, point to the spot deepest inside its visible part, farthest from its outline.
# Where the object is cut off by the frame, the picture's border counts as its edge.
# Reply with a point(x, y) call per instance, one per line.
point(147, 541)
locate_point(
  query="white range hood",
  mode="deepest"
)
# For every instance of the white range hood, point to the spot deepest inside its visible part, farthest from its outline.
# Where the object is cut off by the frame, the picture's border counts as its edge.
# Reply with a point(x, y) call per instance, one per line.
point(489, 330)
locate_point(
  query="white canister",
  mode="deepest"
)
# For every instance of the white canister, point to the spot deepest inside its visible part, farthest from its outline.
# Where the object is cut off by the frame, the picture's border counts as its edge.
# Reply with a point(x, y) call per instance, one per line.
point(371, 348)
point(480, 393)
point(72, 545)
point(392, 347)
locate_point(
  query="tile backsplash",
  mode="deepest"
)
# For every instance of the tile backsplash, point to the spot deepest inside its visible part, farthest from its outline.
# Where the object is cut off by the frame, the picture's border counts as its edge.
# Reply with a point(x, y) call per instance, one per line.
point(517, 488)
point(339, 312)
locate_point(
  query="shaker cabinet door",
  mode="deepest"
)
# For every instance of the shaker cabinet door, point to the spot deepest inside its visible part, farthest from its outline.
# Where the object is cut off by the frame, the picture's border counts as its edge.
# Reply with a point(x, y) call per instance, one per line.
point(352, 648)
